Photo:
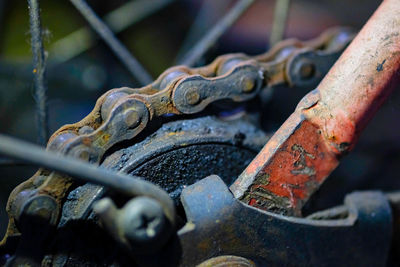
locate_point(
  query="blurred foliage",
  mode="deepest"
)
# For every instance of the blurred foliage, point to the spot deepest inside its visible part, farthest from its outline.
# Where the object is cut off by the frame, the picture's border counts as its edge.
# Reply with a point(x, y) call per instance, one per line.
point(58, 19)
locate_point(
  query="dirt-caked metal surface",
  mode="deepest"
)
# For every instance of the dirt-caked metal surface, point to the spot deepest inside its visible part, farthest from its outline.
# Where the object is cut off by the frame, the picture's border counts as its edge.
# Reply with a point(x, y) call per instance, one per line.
point(219, 224)
point(328, 121)
point(293, 164)
point(173, 157)
point(183, 152)
point(121, 114)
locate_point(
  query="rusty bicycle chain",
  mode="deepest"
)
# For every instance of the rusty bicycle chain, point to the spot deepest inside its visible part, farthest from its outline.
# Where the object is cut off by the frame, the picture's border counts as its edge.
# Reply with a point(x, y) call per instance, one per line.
point(121, 114)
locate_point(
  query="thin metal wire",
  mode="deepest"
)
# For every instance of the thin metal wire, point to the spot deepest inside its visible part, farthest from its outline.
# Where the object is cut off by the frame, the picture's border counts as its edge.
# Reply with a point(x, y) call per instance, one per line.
point(118, 20)
point(281, 13)
point(207, 16)
point(116, 46)
point(193, 55)
point(129, 185)
point(39, 71)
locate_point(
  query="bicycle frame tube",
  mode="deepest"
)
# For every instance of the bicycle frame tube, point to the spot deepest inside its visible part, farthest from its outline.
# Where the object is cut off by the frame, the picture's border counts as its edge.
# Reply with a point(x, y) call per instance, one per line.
point(328, 121)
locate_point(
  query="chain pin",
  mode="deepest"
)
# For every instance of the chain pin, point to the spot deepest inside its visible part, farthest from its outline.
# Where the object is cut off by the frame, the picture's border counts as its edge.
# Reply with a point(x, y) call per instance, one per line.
point(248, 84)
point(192, 96)
point(132, 118)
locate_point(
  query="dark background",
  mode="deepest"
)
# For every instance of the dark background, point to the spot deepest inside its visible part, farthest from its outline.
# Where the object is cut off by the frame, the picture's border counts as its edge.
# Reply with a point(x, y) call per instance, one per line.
point(75, 84)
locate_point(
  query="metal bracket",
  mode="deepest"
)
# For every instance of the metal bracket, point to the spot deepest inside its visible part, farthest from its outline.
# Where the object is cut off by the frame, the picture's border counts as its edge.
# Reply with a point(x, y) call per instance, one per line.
point(219, 224)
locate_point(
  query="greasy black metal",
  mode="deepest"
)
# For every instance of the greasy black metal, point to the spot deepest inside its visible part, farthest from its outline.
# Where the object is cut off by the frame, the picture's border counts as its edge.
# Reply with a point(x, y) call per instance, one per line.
point(79, 240)
point(116, 46)
point(78, 204)
point(168, 157)
point(219, 224)
point(39, 71)
point(178, 168)
point(174, 156)
point(126, 112)
point(140, 226)
point(37, 221)
point(105, 127)
point(130, 186)
point(202, 46)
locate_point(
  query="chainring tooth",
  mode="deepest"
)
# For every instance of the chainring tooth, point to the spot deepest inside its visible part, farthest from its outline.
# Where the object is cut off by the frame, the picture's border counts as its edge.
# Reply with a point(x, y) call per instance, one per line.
point(123, 113)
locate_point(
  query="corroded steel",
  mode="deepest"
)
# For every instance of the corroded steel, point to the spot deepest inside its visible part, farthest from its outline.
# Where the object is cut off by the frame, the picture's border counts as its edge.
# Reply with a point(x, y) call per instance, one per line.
point(219, 224)
point(328, 121)
point(123, 113)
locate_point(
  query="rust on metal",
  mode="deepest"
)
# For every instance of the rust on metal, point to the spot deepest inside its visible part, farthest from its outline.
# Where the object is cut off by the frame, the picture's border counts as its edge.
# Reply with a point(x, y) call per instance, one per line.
point(328, 121)
point(121, 114)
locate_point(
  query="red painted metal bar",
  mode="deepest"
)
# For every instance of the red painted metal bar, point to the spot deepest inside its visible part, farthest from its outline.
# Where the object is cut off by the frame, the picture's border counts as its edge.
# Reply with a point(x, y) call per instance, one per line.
point(328, 121)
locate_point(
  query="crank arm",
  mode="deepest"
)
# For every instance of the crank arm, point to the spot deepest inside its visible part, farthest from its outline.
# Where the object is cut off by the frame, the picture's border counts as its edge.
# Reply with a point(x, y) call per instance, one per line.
point(328, 121)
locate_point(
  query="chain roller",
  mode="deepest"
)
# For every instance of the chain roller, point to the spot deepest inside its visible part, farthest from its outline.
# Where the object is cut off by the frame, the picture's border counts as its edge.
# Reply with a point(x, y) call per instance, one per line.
point(121, 114)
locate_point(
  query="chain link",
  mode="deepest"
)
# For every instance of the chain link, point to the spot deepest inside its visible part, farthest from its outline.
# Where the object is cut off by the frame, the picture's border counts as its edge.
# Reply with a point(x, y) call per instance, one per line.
point(121, 114)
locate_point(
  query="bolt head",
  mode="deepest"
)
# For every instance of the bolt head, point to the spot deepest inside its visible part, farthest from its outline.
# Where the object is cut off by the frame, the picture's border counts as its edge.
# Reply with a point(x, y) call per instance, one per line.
point(39, 208)
point(143, 222)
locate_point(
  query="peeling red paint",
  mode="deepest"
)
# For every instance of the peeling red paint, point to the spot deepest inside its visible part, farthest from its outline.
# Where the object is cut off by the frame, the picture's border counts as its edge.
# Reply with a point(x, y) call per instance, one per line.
point(328, 121)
